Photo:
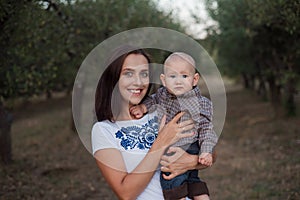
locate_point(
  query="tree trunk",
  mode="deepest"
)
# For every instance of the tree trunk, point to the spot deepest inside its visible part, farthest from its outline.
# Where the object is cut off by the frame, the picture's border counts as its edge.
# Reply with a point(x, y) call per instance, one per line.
point(246, 81)
point(290, 104)
point(5, 138)
point(275, 96)
point(251, 81)
point(261, 90)
point(48, 94)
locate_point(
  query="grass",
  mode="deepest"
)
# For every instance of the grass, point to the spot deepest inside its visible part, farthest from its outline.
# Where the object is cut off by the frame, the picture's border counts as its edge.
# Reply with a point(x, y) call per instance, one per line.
point(258, 155)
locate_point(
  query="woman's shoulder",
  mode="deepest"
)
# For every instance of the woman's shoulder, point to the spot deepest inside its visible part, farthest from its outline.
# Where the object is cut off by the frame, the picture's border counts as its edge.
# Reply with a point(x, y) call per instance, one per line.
point(103, 126)
point(103, 136)
point(108, 125)
point(104, 123)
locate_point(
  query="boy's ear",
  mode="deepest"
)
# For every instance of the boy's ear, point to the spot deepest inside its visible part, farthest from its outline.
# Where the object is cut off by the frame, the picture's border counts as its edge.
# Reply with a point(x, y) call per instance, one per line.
point(196, 79)
point(163, 80)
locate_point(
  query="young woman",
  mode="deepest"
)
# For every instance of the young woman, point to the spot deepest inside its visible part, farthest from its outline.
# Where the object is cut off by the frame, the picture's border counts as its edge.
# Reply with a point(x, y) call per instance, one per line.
point(128, 150)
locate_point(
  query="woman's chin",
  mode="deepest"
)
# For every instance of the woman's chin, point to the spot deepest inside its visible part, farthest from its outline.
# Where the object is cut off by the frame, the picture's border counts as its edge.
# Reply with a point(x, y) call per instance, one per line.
point(135, 102)
point(136, 99)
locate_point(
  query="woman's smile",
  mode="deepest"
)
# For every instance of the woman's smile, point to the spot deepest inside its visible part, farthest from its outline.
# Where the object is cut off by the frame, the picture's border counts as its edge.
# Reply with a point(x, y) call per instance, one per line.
point(135, 91)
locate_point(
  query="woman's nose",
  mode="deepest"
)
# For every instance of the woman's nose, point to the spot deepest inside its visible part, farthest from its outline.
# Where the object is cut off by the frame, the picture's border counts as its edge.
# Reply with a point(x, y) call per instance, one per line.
point(138, 80)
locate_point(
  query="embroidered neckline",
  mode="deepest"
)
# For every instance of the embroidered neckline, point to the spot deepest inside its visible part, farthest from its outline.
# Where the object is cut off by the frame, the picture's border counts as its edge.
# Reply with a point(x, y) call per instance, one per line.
point(138, 136)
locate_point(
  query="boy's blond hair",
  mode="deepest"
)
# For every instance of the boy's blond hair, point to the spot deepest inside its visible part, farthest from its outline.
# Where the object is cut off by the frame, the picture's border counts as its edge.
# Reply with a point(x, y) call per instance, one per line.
point(182, 56)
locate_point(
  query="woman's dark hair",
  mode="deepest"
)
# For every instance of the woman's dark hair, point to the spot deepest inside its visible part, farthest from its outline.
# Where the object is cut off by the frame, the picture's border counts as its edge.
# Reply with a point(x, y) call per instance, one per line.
point(104, 97)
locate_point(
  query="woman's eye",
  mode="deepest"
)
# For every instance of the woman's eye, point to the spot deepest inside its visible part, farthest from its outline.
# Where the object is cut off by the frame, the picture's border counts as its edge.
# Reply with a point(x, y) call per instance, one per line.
point(145, 74)
point(128, 74)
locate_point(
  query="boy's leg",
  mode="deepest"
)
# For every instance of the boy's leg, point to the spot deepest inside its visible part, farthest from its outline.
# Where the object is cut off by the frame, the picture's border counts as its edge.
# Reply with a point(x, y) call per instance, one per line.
point(201, 197)
point(176, 188)
point(196, 187)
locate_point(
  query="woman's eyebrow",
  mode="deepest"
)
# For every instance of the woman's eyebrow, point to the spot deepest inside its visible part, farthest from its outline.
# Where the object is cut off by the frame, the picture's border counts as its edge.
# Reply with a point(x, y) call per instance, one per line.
point(128, 69)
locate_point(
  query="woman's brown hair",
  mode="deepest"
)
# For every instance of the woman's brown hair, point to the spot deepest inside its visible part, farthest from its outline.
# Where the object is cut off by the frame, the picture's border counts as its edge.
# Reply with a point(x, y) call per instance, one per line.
point(104, 97)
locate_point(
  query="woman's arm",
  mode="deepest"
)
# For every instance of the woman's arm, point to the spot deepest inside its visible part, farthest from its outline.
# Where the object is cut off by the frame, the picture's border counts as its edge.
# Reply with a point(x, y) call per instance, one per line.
point(126, 185)
point(130, 185)
point(180, 162)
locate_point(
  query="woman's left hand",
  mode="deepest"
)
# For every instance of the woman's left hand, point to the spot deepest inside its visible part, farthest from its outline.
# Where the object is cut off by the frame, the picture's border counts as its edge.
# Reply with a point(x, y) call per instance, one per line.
point(179, 162)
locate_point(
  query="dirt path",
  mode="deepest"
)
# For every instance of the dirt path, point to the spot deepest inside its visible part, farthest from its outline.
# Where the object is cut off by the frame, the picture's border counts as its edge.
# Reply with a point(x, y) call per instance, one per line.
point(258, 156)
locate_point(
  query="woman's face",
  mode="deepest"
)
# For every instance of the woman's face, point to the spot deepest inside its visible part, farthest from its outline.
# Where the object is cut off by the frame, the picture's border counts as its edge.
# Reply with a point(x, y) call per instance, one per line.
point(134, 79)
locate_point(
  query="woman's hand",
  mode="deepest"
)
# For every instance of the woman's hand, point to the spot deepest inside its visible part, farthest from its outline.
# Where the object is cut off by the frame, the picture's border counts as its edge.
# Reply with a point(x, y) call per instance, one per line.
point(172, 132)
point(179, 162)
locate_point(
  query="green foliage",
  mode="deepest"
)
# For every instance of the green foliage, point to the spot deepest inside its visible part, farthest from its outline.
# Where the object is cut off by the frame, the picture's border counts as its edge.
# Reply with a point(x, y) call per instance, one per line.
point(33, 51)
point(43, 42)
point(234, 46)
point(259, 40)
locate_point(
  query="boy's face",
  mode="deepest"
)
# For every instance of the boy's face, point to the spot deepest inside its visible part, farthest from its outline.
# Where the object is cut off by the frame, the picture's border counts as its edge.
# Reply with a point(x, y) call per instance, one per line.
point(179, 77)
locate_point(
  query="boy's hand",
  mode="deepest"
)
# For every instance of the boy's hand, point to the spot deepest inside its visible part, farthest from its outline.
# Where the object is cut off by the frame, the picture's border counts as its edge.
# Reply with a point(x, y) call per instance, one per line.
point(205, 159)
point(137, 111)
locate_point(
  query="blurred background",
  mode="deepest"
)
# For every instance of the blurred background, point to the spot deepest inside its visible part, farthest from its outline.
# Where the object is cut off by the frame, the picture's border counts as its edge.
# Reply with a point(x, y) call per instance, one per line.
point(254, 43)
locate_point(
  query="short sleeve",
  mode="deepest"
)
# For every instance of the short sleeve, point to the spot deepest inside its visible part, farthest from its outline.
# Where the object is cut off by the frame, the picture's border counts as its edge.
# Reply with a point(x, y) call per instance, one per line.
point(102, 137)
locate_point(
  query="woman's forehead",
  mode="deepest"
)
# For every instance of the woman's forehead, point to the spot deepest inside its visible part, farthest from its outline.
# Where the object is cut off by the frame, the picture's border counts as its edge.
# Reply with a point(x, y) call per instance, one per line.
point(135, 62)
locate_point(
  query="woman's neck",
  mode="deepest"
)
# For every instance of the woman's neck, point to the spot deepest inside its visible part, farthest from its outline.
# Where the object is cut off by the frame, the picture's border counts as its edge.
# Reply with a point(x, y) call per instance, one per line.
point(124, 115)
point(123, 118)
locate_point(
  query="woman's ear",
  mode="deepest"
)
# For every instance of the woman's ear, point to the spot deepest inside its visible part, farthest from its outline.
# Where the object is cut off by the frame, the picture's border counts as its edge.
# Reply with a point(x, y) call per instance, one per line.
point(163, 79)
point(196, 79)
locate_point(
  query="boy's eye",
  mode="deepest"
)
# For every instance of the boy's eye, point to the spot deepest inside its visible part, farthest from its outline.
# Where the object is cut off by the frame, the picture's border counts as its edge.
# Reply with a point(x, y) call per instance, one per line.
point(185, 76)
point(172, 76)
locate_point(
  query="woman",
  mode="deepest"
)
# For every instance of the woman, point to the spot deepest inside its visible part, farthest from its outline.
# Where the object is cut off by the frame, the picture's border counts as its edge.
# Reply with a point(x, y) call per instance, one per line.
point(127, 150)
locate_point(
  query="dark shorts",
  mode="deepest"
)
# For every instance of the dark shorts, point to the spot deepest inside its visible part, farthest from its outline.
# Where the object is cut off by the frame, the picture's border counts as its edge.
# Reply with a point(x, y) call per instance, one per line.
point(187, 184)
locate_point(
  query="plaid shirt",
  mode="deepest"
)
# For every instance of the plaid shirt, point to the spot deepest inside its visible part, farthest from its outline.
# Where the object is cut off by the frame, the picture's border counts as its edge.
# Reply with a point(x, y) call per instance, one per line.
point(197, 107)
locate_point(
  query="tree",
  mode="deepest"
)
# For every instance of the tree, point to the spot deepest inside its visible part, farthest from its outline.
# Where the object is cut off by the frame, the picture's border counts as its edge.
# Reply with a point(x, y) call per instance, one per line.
point(275, 31)
point(257, 40)
point(43, 42)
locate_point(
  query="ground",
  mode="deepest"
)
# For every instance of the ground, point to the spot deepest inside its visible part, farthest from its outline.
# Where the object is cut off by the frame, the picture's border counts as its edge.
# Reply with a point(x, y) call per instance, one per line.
point(258, 155)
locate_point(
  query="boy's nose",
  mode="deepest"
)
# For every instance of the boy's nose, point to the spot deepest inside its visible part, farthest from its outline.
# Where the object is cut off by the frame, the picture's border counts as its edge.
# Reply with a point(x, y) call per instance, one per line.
point(177, 80)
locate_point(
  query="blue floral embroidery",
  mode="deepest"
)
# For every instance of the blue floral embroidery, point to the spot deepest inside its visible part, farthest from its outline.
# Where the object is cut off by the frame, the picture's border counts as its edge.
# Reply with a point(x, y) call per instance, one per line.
point(141, 137)
point(119, 134)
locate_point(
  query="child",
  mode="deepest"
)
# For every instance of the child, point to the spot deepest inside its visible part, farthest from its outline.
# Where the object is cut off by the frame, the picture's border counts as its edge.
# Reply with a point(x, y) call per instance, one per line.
point(180, 93)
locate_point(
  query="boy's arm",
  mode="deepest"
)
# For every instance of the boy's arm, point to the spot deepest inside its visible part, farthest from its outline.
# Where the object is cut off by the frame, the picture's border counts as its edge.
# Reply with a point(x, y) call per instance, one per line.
point(150, 101)
point(145, 106)
point(207, 137)
point(208, 140)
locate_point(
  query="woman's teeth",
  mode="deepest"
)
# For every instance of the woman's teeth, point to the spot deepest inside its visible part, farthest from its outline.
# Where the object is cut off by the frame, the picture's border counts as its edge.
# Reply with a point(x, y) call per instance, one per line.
point(135, 91)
